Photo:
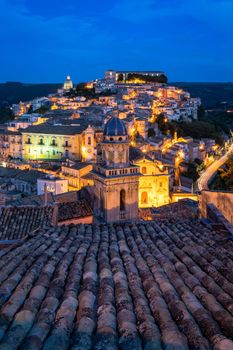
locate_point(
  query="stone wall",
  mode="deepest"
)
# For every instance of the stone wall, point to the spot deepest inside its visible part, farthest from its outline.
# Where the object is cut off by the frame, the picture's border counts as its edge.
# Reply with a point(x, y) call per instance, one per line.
point(217, 217)
point(223, 201)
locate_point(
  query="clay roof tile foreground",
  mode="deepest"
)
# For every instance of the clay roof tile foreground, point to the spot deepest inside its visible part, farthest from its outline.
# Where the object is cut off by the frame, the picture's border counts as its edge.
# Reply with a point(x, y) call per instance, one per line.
point(19, 222)
point(122, 286)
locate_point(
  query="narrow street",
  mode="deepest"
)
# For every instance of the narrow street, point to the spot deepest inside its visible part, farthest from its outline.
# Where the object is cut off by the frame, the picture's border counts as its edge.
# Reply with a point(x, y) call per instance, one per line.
point(211, 170)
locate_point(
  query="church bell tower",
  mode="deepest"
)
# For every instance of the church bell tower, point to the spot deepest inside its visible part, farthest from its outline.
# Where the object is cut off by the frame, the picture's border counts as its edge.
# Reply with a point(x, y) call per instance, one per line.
point(115, 179)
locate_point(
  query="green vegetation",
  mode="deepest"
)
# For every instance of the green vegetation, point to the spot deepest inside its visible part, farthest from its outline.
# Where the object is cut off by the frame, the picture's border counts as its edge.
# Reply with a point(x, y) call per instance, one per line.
point(151, 132)
point(14, 92)
point(83, 90)
point(224, 179)
point(131, 77)
point(5, 114)
point(197, 129)
point(213, 95)
point(200, 129)
point(222, 120)
point(193, 170)
point(42, 110)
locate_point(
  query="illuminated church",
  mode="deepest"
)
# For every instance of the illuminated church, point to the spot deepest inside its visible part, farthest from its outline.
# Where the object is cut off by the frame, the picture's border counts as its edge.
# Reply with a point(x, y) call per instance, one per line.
point(68, 84)
point(115, 179)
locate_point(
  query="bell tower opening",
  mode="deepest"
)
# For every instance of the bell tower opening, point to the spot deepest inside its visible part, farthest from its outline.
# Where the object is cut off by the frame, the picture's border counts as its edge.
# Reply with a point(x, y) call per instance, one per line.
point(122, 200)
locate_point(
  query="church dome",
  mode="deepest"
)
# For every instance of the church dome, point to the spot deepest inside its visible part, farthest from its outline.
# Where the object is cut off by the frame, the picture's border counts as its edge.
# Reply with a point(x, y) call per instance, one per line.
point(68, 84)
point(115, 127)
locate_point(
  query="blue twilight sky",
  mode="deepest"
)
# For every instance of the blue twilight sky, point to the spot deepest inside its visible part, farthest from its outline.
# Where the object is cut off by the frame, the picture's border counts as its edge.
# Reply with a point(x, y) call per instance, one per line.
point(44, 40)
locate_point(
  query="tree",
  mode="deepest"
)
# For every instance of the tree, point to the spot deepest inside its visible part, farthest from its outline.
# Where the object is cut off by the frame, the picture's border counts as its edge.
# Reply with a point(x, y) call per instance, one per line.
point(120, 78)
point(5, 114)
point(224, 179)
point(151, 132)
point(201, 112)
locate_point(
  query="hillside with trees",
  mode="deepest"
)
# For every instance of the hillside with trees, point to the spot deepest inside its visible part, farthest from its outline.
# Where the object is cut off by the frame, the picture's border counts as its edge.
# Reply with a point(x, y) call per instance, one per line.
point(224, 178)
point(14, 92)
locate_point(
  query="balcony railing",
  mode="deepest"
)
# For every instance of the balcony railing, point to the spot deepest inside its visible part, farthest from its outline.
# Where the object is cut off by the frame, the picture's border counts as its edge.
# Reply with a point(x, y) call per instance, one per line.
point(66, 146)
point(53, 144)
point(28, 143)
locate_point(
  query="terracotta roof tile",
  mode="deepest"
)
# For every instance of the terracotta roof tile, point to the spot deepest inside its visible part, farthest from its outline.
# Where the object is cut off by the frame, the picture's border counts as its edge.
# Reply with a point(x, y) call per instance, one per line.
point(123, 286)
point(18, 222)
point(71, 210)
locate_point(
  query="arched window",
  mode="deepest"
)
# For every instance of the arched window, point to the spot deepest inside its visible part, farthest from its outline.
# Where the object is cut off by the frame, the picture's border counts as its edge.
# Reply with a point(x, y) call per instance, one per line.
point(144, 171)
point(122, 200)
point(89, 140)
point(144, 198)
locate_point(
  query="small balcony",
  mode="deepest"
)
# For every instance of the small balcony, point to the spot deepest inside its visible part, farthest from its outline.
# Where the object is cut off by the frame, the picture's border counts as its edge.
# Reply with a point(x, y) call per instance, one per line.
point(28, 143)
point(66, 145)
point(54, 144)
point(41, 144)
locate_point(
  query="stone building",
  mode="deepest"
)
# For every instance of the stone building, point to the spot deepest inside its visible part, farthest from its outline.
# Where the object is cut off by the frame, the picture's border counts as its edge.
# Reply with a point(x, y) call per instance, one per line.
point(89, 145)
point(154, 177)
point(76, 174)
point(68, 84)
point(115, 179)
point(53, 142)
point(10, 144)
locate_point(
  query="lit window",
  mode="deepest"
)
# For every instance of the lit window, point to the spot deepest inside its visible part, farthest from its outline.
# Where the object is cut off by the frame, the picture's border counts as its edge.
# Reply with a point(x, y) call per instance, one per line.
point(144, 198)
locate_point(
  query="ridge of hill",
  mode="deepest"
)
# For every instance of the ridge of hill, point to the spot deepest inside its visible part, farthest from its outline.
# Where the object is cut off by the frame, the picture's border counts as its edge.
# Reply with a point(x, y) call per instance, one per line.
point(14, 92)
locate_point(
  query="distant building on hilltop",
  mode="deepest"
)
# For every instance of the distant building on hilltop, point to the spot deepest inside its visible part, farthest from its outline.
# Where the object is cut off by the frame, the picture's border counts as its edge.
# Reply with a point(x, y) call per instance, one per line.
point(68, 84)
point(136, 76)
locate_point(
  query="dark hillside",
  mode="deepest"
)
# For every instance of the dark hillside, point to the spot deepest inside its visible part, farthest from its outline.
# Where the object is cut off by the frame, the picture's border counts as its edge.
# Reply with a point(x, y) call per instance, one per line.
point(213, 95)
point(14, 92)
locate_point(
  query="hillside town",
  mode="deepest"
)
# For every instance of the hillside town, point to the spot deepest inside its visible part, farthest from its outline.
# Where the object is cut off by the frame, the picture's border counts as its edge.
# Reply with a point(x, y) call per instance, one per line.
point(54, 142)
point(116, 175)
point(109, 235)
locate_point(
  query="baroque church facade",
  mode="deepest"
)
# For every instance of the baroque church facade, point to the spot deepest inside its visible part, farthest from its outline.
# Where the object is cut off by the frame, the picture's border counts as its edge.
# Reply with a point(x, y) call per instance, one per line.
point(116, 180)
